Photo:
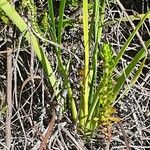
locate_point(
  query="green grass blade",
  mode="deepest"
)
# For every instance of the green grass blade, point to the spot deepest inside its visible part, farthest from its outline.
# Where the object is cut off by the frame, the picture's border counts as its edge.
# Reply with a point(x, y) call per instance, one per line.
point(52, 17)
point(19, 22)
point(101, 86)
point(61, 67)
point(84, 104)
point(129, 40)
point(13, 15)
point(134, 79)
point(97, 18)
point(99, 21)
point(99, 15)
point(22, 26)
point(121, 80)
point(60, 23)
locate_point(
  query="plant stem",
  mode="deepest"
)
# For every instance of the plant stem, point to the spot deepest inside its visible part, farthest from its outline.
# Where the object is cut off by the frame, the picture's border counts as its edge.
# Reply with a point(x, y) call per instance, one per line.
point(86, 67)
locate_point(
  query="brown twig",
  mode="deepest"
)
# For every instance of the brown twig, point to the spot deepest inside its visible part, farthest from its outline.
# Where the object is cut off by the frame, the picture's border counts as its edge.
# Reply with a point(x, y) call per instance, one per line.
point(48, 133)
point(125, 136)
point(9, 99)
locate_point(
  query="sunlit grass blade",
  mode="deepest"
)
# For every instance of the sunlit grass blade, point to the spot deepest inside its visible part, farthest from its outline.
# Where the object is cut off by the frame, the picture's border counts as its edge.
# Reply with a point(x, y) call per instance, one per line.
point(60, 23)
point(84, 103)
point(52, 18)
point(129, 40)
point(98, 25)
point(122, 79)
point(58, 38)
point(19, 22)
point(98, 21)
point(134, 79)
point(13, 15)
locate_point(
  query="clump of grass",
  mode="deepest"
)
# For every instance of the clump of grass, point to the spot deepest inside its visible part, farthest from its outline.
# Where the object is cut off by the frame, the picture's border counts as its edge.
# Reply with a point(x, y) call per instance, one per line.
point(98, 93)
point(97, 108)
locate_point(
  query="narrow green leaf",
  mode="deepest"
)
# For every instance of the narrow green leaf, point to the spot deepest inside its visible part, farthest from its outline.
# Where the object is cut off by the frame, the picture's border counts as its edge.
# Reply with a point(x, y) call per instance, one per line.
point(60, 23)
point(19, 22)
point(58, 38)
point(85, 93)
point(52, 17)
point(99, 21)
point(130, 39)
point(121, 80)
point(134, 79)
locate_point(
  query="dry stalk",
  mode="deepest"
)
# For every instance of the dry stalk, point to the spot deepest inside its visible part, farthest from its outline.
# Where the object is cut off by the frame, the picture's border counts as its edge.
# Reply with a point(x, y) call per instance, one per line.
point(48, 133)
point(9, 99)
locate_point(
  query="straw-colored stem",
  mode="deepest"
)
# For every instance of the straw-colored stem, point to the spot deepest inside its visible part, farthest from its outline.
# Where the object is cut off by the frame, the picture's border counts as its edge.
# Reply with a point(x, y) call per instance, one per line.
point(86, 68)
